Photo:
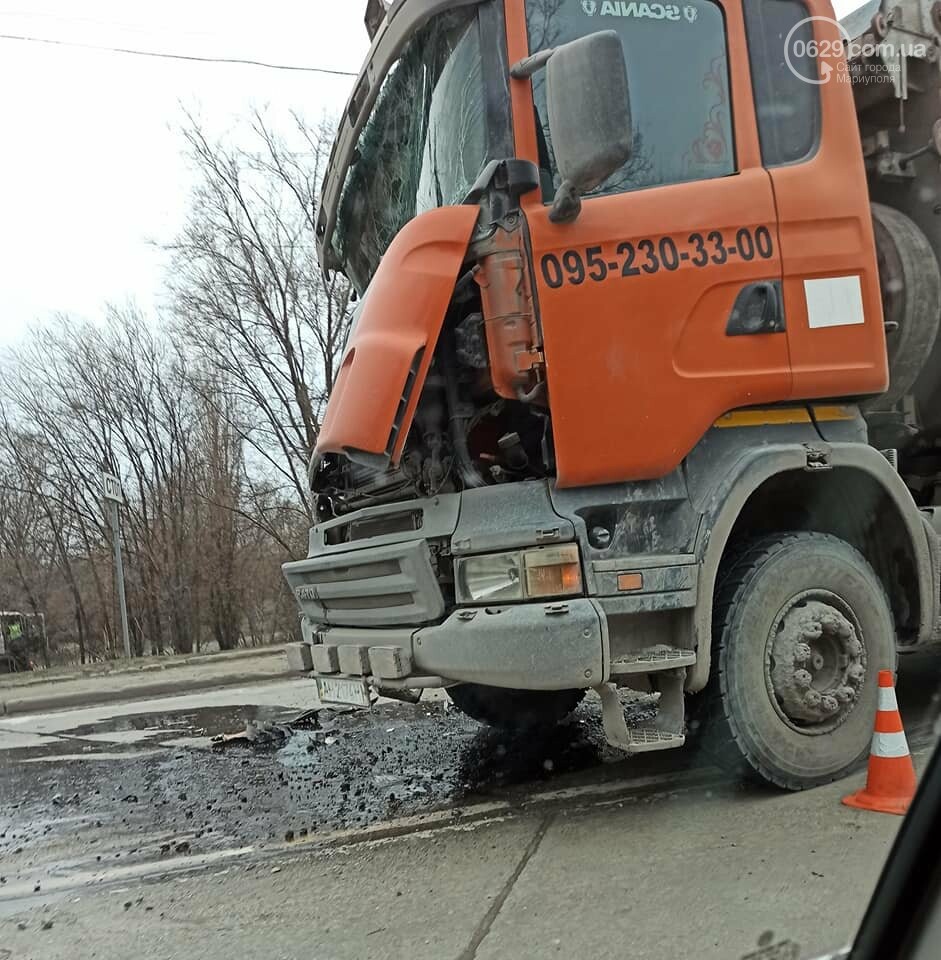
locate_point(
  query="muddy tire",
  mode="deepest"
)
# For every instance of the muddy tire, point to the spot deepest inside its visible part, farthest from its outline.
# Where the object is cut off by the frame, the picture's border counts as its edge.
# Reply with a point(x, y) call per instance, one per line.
point(514, 709)
point(801, 629)
point(910, 282)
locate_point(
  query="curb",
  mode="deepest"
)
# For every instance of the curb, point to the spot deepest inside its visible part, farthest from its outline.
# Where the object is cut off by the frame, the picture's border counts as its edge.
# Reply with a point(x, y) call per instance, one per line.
point(157, 665)
point(46, 703)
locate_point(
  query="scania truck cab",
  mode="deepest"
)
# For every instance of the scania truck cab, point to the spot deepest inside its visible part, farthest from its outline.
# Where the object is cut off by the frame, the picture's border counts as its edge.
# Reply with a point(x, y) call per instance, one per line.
point(639, 393)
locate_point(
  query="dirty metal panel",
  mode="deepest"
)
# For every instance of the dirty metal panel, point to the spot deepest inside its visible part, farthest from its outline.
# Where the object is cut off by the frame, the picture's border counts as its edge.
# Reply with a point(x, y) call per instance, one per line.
point(552, 646)
point(390, 663)
point(325, 659)
point(628, 603)
point(652, 517)
point(434, 517)
point(354, 659)
point(507, 516)
point(389, 585)
point(655, 580)
point(849, 428)
point(643, 562)
point(720, 452)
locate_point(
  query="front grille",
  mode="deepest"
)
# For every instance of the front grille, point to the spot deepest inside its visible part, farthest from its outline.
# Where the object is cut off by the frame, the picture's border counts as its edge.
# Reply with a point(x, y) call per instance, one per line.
point(387, 585)
point(376, 602)
point(360, 571)
point(368, 527)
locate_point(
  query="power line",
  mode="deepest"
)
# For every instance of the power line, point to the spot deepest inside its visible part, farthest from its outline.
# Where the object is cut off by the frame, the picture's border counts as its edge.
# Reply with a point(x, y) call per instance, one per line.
point(177, 56)
point(112, 24)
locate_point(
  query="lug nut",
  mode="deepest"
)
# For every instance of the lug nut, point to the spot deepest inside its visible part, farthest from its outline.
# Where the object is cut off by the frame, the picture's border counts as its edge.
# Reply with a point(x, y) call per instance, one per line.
point(802, 679)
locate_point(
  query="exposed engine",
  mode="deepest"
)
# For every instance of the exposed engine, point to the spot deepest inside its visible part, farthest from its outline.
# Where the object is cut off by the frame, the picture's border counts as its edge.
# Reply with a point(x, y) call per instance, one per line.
point(482, 417)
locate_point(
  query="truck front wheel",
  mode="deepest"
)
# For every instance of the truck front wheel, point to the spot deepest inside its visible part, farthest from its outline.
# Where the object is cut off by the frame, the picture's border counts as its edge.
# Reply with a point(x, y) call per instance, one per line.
point(801, 628)
point(514, 709)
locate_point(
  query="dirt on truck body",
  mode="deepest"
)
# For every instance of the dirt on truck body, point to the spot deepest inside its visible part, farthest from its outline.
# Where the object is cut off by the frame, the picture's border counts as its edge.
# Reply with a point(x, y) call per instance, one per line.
point(641, 387)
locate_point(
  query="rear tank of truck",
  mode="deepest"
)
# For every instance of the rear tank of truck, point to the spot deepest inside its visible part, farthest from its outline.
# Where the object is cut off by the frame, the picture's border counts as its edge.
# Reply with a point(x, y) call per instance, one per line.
point(894, 63)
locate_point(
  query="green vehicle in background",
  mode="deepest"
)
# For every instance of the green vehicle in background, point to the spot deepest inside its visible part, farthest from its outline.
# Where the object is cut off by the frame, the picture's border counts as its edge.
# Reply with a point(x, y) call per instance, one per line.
point(21, 640)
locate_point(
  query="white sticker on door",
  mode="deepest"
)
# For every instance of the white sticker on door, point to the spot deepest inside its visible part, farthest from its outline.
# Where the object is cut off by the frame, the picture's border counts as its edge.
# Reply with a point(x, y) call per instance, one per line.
point(834, 302)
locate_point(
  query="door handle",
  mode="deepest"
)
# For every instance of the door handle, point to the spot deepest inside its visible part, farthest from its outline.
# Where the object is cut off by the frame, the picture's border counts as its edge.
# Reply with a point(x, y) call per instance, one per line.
point(758, 308)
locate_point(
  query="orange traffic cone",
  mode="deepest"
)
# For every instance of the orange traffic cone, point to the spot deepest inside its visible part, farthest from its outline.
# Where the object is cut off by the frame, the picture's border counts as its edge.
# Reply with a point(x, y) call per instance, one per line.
point(890, 784)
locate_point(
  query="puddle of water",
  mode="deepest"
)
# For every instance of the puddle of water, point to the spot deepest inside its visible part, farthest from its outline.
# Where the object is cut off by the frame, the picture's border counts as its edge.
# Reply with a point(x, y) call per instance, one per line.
point(121, 736)
point(208, 721)
point(92, 755)
point(15, 740)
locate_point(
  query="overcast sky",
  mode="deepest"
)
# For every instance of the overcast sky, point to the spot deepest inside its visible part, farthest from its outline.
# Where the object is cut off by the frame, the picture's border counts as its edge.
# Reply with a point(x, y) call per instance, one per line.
point(90, 167)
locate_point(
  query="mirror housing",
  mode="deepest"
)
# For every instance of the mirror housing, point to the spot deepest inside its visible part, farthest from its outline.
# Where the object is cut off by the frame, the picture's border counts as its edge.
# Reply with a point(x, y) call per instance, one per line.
point(589, 116)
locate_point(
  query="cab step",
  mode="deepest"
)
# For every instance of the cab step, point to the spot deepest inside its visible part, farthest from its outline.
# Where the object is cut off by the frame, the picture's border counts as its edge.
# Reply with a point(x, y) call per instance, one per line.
point(651, 660)
point(667, 729)
point(646, 739)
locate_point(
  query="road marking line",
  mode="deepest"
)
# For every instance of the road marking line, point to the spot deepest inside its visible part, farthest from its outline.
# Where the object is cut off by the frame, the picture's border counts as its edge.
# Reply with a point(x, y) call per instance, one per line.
point(483, 928)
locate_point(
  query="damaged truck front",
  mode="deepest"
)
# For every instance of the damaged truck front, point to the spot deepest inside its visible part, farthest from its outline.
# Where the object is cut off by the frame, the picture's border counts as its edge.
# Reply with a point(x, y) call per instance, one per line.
point(601, 419)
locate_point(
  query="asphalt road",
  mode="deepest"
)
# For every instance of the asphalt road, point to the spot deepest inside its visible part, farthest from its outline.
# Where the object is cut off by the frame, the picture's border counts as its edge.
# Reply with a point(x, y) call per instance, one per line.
point(409, 831)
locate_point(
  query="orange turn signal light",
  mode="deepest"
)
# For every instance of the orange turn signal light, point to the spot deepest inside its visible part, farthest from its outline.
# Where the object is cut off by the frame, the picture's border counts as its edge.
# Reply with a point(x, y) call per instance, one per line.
point(553, 571)
point(630, 581)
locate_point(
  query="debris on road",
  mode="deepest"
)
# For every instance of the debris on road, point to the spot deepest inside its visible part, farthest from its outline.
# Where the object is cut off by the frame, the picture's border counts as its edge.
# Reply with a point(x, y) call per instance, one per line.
point(265, 734)
point(274, 734)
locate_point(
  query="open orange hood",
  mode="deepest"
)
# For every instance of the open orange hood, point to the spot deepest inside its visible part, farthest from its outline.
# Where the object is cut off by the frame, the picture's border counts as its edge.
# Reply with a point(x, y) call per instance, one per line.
point(391, 346)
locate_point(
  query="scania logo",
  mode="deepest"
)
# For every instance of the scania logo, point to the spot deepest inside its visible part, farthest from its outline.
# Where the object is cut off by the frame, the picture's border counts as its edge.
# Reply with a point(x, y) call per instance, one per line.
point(690, 13)
point(635, 8)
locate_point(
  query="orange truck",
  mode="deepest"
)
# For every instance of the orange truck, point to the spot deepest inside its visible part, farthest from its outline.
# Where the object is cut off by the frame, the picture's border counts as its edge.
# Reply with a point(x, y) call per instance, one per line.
point(640, 389)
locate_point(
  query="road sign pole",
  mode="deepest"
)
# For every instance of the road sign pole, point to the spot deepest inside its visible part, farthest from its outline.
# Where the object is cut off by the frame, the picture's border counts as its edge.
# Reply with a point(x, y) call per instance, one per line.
point(113, 495)
point(119, 572)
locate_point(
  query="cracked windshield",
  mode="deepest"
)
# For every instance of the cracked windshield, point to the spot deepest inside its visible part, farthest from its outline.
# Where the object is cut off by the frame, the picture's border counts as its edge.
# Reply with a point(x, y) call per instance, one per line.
point(468, 477)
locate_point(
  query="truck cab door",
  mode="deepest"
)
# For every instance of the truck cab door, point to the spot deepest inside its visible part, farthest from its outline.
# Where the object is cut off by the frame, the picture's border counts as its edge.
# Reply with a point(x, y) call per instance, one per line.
point(660, 304)
point(810, 145)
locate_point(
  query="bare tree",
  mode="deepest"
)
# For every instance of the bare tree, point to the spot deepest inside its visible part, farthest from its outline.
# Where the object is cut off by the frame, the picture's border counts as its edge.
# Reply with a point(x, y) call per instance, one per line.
point(250, 301)
point(207, 415)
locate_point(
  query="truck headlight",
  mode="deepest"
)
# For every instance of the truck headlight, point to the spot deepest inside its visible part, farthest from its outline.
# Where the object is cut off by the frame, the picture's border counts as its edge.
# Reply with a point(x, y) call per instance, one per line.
point(520, 574)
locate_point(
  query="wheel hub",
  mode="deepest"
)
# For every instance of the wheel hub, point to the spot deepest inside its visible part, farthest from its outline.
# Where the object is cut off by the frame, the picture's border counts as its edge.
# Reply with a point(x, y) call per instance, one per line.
point(818, 663)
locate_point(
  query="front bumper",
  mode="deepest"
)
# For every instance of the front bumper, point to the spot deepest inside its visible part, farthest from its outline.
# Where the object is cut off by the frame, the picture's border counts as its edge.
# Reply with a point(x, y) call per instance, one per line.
point(557, 645)
point(377, 598)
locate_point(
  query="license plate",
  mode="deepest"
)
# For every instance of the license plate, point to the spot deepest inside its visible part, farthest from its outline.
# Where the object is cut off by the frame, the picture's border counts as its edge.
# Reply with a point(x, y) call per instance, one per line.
point(342, 690)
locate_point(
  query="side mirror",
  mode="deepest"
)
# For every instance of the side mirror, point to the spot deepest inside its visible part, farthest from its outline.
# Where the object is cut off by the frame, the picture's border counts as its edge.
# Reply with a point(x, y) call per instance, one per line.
point(589, 114)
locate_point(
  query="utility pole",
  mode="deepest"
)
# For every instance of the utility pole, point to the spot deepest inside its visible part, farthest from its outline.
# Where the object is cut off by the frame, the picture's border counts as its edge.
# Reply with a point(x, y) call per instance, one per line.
point(114, 495)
